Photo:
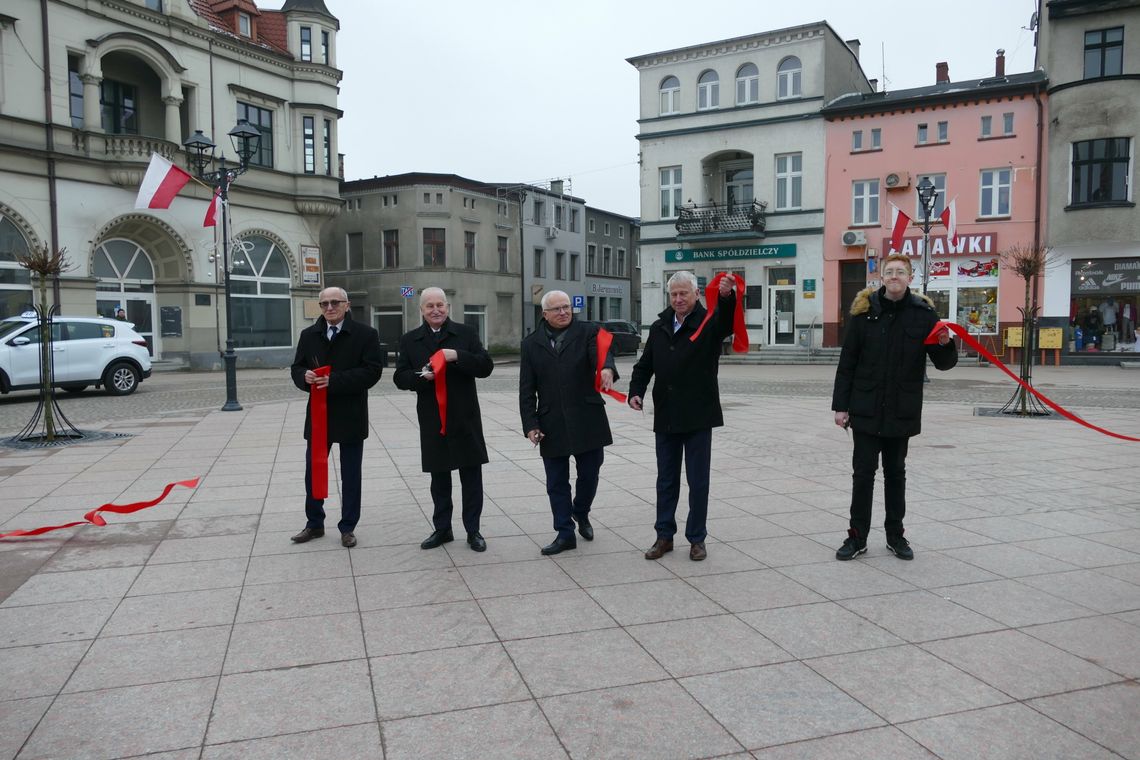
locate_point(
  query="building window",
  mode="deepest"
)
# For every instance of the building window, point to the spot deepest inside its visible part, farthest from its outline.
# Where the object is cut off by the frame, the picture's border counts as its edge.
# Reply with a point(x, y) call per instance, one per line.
point(503, 253)
point(469, 249)
point(15, 281)
point(118, 103)
point(865, 201)
point(607, 252)
point(621, 231)
point(309, 140)
point(245, 25)
point(619, 269)
point(559, 219)
point(1100, 170)
point(987, 126)
point(435, 247)
point(354, 250)
point(154, 5)
point(943, 131)
point(306, 43)
point(591, 258)
point(539, 213)
point(637, 258)
point(788, 78)
point(995, 192)
point(260, 283)
point(324, 47)
point(574, 275)
point(328, 147)
point(539, 262)
point(1007, 123)
point(606, 229)
point(615, 308)
point(789, 181)
point(391, 249)
point(857, 140)
point(439, 198)
point(670, 191)
point(590, 224)
point(747, 84)
point(939, 182)
point(573, 220)
point(921, 138)
point(670, 91)
point(262, 118)
point(738, 189)
point(876, 139)
point(475, 317)
point(560, 265)
point(427, 197)
point(1104, 52)
point(75, 90)
point(708, 91)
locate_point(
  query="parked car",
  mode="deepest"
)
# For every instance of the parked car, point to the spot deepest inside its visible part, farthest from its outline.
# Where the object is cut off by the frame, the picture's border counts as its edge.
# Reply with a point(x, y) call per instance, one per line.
point(627, 336)
point(85, 351)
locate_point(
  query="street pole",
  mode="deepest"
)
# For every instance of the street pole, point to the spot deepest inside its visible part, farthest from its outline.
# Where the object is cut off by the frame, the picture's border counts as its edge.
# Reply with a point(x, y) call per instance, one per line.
point(229, 357)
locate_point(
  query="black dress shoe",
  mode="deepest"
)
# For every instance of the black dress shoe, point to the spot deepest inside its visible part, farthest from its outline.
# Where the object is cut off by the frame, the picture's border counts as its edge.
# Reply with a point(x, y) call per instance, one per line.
point(476, 542)
point(559, 545)
point(348, 540)
point(308, 534)
point(584, 528)
point(437, 538)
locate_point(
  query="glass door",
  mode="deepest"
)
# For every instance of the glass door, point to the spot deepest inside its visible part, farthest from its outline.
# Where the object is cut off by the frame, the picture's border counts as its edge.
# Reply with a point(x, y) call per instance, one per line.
point(782, 315)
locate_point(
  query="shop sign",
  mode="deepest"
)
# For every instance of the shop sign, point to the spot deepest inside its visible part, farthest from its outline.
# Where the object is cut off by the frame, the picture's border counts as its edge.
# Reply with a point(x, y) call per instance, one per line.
point(310, 265)
point(776, 251)
point(968, 245)
point(1107, 276)
point(979, 268)
point(809, 289)
point(600, 289)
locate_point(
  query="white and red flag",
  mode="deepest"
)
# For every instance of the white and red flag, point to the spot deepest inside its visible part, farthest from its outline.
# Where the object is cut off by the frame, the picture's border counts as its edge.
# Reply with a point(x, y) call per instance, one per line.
point(211, 219)
point(899, 221)
point(950, 219)
point(163, 181)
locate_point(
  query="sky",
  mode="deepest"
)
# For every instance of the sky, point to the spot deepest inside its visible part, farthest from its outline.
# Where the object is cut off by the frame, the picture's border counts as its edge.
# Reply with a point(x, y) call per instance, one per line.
point(512, 91)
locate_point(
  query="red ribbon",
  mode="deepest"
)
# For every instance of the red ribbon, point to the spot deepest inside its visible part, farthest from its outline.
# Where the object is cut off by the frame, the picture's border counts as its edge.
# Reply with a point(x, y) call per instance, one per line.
point(94, 518)
point(605, 340)
point(319, 436)
point(439, 369)
point(972, 342)
point(712, 297)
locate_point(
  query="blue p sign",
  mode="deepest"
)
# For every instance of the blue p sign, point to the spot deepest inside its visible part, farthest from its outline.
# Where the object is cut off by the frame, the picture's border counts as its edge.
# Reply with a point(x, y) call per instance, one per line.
point(579, 302)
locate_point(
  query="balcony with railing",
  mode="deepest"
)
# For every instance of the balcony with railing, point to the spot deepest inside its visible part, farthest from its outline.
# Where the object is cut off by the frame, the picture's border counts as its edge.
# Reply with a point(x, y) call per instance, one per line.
point(721, 221)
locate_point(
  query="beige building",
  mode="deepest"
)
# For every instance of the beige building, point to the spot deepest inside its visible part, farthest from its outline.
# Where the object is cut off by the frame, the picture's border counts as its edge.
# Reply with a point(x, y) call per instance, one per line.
point(128, 78)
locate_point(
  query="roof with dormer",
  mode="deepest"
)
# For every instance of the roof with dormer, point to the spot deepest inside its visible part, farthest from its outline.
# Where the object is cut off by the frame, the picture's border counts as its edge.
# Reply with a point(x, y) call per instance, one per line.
point(270, 25)
point(943, 92)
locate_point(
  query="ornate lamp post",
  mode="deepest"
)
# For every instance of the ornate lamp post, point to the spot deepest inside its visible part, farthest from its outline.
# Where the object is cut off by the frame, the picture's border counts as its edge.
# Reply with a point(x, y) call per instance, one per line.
point(199, 153)
point(926, 197)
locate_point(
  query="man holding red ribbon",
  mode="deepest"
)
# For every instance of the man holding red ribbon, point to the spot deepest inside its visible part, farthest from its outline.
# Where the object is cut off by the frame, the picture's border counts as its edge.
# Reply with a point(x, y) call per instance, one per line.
point(337, 361)
point(683, 350)
point(563, 412)
point(439, 361)
point(878, 394)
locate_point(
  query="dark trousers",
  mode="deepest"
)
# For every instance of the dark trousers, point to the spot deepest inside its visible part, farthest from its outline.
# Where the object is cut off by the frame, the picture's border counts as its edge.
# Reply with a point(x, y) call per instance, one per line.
point(351, 456)
point(864, 462)
point(471, 480)
point(588, 464)
point(696, 448)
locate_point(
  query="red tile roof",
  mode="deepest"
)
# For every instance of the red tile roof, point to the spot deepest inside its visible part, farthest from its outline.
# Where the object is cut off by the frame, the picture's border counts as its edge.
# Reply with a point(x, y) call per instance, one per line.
point(270, 24)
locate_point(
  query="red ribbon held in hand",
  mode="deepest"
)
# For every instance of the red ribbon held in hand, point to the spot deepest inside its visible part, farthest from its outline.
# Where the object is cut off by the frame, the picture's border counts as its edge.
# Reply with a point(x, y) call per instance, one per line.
point(94, 518)
point(712, 296)
point(319, 436)
point(605, 340)
point(973, 343)
point(439, 369)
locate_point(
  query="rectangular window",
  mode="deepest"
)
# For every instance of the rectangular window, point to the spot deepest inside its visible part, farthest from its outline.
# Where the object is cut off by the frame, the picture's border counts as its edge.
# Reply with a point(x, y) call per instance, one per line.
point(328, 147)
point(708, 92)
point(154, 5)
point(354, 250)
point(324, 47)
point(621, 232)
point(943, 131)
point(245, 25)
point(995, 192)
point(539, 213)
point(306, 43)
point(469, 249)
point(607, 252)
point(606, 229)
point(309, 141)
point(987, 126)
point(559, 220)
point(857, 140)
point(1007, 123)
point(591, 225)
point(670, 191)
point(118, 102)
point(391, 249)
point(620, 263)
point(503, 253)
point(574, 275)
point(615, 308)
point(573, 220)
point(939, 181)
point(591, 258)
point(435, 247)
point(876, 139)
point(560, 265)
point(1100, 170)
point(475, 317)
point(789, 181)
point(427, 197)
point(922, 134)
point(1104, 52)
point(75, 90)
point(439, 198)
point(865, 201)
point(539, 262)
point(262, 118)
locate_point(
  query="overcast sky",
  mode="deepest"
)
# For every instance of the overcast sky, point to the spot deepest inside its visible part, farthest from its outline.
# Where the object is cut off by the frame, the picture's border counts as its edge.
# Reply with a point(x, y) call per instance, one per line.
point(513, 91)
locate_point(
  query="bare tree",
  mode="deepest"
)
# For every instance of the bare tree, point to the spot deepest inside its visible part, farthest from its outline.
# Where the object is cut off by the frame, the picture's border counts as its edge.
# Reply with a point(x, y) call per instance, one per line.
point(45, 263)
point(1028, 262)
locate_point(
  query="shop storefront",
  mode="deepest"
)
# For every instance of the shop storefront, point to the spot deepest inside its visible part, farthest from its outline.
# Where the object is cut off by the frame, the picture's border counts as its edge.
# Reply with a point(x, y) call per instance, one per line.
point(1104, 295)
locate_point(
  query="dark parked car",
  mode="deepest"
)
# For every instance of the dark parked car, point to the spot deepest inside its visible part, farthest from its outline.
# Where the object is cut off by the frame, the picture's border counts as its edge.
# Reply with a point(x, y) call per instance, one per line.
point(627, 336)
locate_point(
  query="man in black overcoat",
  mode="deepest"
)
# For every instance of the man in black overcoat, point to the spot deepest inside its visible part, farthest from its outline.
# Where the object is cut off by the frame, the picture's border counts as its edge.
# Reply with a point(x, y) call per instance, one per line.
point(352, 350)
point(462, 447)
point(564, 415)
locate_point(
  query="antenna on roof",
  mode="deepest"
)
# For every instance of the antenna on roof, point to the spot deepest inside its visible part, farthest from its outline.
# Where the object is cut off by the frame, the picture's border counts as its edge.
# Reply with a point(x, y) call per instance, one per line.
point(883, 57)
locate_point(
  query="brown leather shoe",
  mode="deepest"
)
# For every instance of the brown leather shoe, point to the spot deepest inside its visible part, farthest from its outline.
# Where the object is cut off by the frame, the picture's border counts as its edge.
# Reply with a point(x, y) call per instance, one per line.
point(348, 540)
point(659, 548)
point(308, 534)
point(697, 551)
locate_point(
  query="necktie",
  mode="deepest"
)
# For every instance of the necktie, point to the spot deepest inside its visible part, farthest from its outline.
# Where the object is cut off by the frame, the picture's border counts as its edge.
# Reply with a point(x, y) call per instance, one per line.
point(333, 331)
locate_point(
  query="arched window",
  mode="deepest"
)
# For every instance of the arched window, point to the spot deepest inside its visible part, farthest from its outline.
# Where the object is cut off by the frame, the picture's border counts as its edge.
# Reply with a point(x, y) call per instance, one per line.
point(15, 281)
point(259, 284)
point(708, 91)
point(670, 95)
point(125, 281)
point(788, 78)
point(747, 84)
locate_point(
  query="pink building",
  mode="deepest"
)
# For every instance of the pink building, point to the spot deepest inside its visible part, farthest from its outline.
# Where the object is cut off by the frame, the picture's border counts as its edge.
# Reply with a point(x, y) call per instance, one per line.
point(980, 143)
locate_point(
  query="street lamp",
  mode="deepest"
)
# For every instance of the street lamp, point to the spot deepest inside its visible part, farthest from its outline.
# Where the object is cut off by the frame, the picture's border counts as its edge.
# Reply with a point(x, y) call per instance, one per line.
point(926, 197)
point(199, 153)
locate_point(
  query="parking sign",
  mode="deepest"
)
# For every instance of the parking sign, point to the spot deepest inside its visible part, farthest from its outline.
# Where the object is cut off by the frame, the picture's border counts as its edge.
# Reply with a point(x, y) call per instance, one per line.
point(407, 291)
point(579, 302)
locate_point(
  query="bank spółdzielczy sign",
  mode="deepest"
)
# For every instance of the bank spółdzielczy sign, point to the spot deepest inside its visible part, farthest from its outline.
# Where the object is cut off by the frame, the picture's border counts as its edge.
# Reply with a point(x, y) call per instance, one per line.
point(777, 251)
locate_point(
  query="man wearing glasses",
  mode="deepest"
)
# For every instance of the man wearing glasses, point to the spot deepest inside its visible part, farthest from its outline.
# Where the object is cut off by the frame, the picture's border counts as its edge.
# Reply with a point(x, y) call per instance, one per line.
point(878, 394)
point(563, 414)
point(352, 351)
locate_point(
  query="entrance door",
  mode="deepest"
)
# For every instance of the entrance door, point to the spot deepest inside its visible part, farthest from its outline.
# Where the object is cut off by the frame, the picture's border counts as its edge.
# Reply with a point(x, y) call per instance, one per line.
point(852, 279)
point(126, 281)
point(389, 322)
point(782, 315)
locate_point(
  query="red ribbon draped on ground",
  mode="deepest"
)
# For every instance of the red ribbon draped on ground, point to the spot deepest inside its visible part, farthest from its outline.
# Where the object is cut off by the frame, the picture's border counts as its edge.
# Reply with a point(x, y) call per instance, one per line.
point(439, 369)
point(94, 518)
point(712, 296)
point(319, 436)
point(605, 340)
point(970, 341)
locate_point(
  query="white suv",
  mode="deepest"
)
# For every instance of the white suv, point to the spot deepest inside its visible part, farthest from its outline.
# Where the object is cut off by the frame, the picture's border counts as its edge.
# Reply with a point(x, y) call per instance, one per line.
point(85, 351)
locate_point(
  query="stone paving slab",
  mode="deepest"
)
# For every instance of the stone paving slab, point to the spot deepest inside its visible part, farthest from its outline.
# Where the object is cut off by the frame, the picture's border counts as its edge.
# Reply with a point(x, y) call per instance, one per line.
point(197, 630)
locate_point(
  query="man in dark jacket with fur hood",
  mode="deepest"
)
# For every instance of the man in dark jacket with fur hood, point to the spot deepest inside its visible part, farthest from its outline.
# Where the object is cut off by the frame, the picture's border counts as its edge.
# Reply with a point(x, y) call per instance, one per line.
point(878, 394)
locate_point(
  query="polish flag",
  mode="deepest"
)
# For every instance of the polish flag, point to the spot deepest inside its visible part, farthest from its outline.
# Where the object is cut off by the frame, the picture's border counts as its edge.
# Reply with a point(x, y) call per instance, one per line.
point(163, 181)
point(899, 221)
point(211, 219)
point(950, 219)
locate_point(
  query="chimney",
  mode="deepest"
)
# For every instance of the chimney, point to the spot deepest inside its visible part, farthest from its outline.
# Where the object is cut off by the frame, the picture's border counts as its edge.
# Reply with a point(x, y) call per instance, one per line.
point(874, 84)
point(556, 186)
point(999, 64)
point(941, 72)
point(854, 45)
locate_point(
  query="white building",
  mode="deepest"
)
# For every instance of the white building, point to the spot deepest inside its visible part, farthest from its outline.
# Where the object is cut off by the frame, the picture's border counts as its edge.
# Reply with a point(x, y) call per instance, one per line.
point(733, 168)
point(128, 78)
point(553, 241)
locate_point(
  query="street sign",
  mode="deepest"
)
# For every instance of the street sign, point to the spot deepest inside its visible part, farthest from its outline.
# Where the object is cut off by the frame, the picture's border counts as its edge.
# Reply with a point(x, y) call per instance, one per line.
point(579, 302)
point(407, 291)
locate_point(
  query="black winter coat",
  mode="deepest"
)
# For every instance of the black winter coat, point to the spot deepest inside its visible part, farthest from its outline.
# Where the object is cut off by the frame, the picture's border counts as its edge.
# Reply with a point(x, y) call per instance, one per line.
point(686, 397)
point(556, 391)
point(880, 375)
point(463, 445)
point(356, 363)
